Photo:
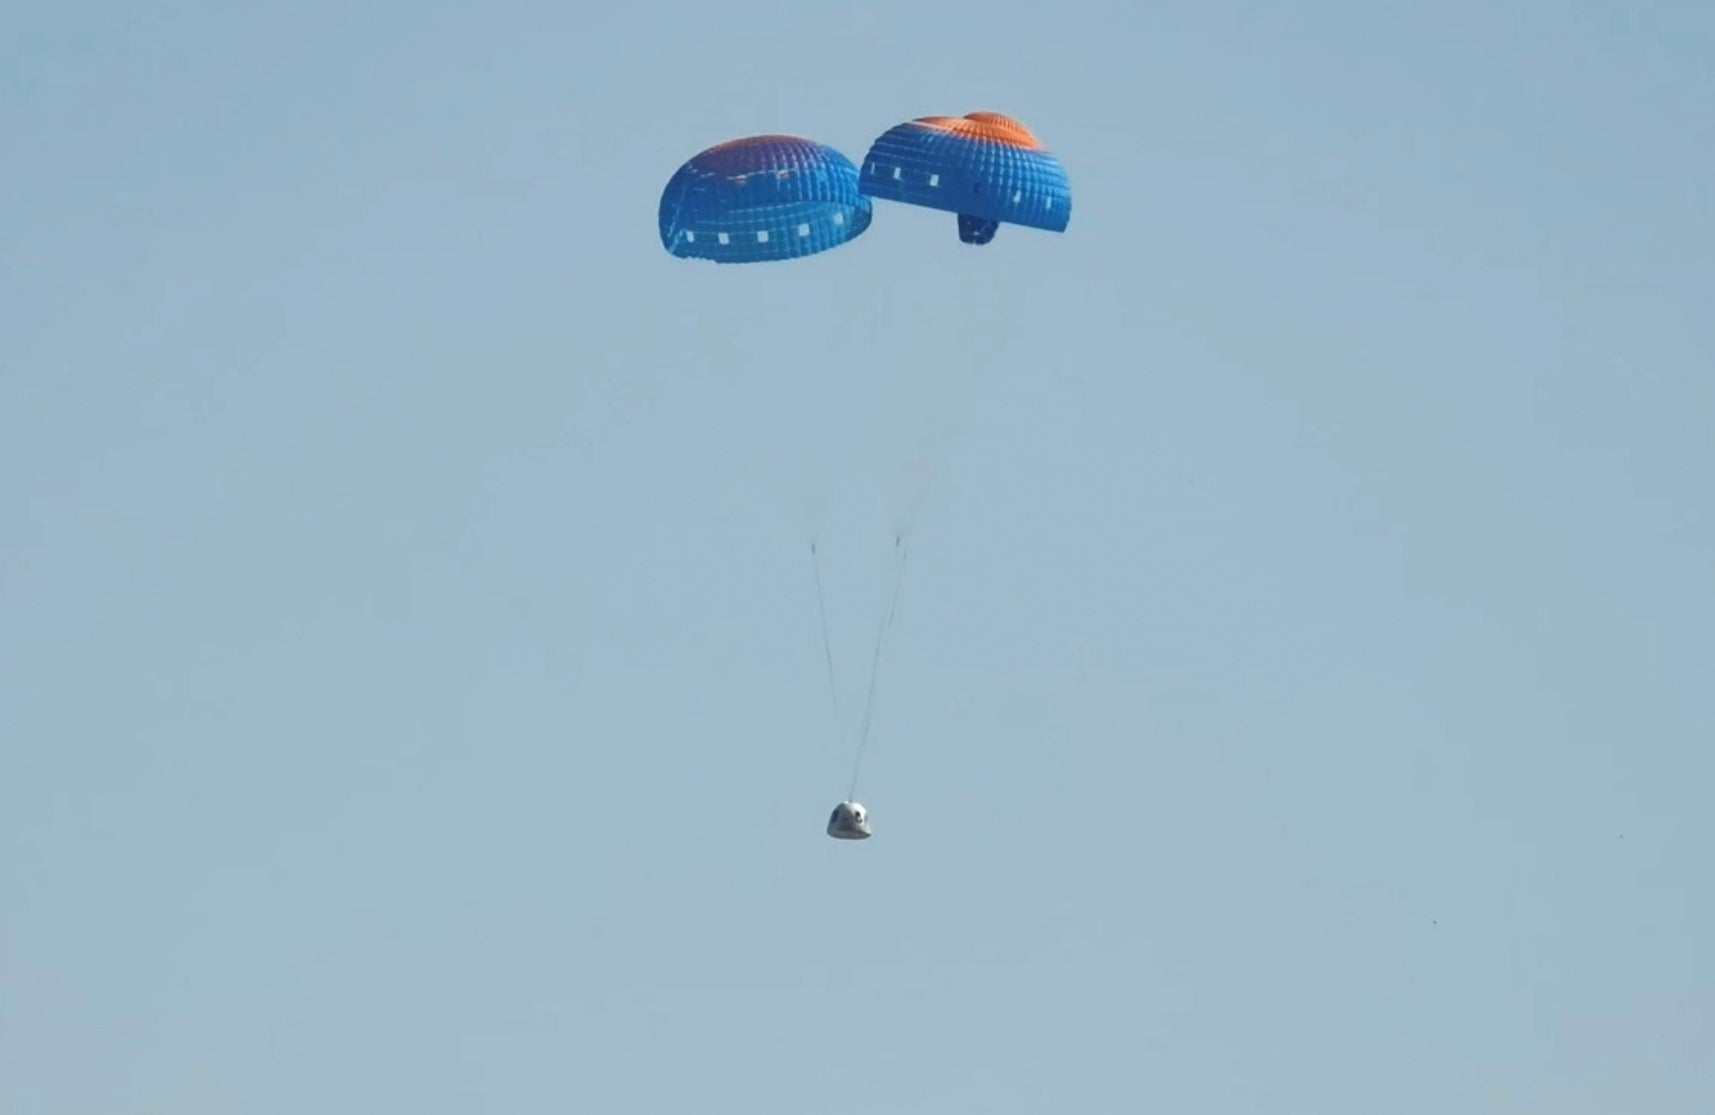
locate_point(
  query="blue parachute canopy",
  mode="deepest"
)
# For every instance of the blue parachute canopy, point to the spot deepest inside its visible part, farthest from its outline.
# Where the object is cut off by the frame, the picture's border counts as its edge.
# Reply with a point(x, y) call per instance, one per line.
point(762, 198)
point(985, 167)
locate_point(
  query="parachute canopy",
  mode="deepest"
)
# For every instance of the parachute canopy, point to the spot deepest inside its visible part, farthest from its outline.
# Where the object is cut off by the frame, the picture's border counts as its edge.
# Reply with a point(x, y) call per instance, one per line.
point(985, 167)
point(760, 198)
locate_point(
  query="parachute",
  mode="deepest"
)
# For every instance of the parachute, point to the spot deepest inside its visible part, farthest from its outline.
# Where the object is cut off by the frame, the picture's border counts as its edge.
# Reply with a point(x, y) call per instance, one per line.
point(761, 198)
point(778, 197)
point(983, 166)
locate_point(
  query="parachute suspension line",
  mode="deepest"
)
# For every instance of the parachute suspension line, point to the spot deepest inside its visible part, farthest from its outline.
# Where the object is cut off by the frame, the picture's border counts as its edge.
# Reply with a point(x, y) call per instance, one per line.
point(875, 661)
point(822, 611)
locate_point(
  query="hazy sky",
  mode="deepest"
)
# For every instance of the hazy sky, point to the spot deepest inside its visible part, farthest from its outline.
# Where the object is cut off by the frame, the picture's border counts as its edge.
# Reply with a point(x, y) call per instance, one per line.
point(1303, 689)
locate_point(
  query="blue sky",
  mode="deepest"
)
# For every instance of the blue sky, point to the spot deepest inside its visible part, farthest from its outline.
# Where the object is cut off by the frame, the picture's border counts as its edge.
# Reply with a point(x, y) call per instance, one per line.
point(411, 696)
